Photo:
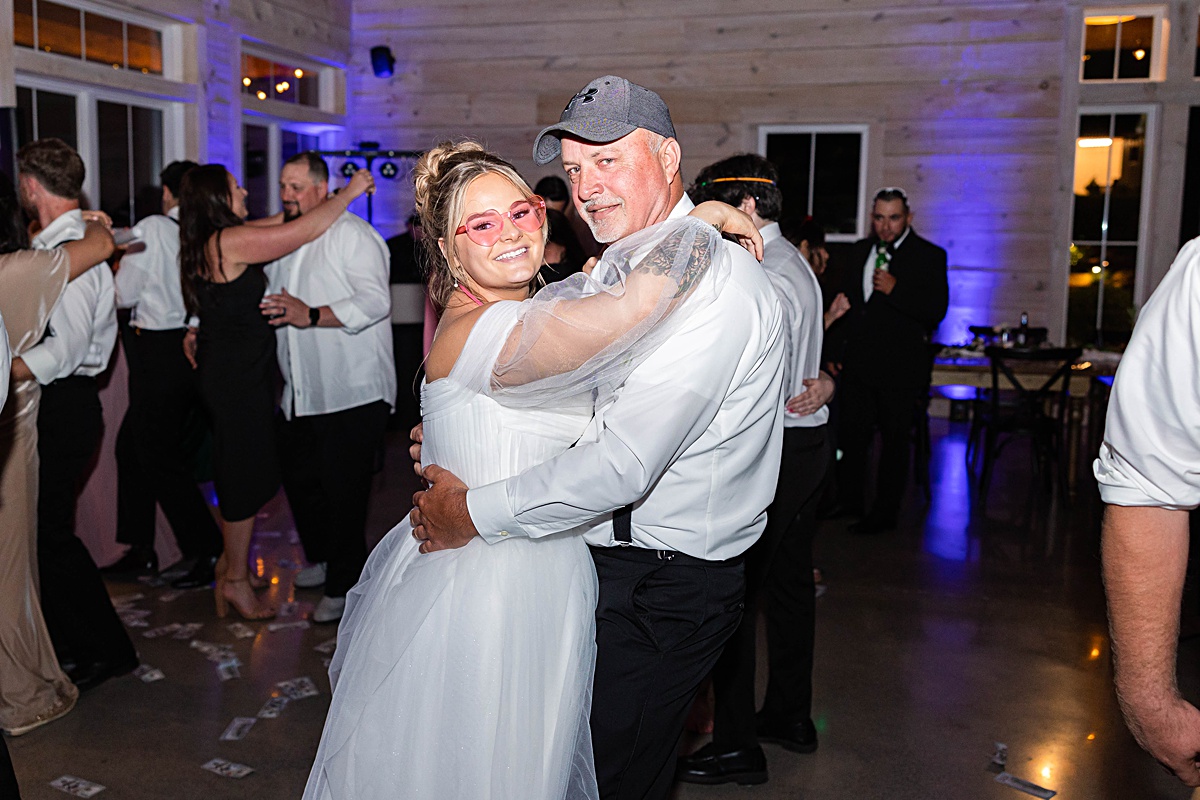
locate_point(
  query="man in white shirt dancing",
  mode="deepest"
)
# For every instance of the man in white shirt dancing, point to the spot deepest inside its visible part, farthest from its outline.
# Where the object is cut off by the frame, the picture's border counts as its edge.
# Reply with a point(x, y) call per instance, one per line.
point(685, 459)
point(83, 330)
point(1148, 477)
point(153, 467)
point(332, 304)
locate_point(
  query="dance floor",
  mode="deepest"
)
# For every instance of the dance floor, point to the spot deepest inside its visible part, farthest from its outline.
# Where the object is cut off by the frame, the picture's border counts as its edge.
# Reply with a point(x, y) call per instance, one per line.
point(965, 628)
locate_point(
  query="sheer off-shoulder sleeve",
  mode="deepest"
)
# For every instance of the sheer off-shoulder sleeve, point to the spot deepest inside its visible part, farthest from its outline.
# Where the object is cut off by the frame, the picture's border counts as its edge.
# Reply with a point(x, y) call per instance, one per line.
point(579, 339)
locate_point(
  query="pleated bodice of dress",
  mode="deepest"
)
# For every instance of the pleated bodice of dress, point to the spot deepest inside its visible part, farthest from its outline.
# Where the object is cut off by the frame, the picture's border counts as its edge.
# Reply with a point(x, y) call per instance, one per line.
point(474, 436)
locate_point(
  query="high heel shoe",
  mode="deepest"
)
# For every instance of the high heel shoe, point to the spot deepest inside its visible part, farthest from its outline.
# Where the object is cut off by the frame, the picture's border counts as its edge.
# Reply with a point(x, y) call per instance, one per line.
point(255, 612)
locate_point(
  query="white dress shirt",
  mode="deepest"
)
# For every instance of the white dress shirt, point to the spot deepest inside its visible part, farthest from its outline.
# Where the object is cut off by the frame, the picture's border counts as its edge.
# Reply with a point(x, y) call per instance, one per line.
point(148, 280)
point(869, 267)
point(804, 320)
point(1151, 450)
point(693, 438)
point(334, 369)
point(83, 327)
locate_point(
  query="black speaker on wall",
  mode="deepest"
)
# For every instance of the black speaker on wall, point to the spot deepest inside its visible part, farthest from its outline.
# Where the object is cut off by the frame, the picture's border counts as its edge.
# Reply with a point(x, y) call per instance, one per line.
point(8, 140)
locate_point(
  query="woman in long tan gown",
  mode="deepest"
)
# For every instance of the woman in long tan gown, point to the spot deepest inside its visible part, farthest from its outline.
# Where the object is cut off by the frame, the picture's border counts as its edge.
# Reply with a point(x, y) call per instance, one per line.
point(33, 689)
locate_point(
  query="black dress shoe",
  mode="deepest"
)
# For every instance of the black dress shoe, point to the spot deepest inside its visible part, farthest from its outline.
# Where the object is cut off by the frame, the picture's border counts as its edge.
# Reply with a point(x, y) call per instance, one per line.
point(707, 766)
point(872, 525)
point(136, 561)
point(202, 573)
point(90, 675)
point(798, 737)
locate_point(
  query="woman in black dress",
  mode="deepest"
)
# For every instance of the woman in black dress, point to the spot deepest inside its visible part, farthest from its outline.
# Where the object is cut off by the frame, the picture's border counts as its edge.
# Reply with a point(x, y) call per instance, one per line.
point(223, 283)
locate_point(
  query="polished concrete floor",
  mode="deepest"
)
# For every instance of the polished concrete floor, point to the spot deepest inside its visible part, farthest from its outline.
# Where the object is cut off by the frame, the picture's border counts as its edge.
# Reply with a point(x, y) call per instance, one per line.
point(964, 628)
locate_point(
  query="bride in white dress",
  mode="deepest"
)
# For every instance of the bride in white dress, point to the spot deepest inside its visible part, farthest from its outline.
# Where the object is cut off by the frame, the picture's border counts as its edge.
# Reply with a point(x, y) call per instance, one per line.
point(467, 673)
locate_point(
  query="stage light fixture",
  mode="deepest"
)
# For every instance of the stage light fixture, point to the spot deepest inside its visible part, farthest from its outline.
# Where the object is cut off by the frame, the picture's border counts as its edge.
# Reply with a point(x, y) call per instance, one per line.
point(348, 169)
point(389, 170)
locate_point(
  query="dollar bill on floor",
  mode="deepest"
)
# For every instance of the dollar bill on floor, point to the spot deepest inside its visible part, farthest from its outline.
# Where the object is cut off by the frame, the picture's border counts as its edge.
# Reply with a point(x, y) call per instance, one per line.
point(187, 631)
point(153, 581)
point(133, 622)
point(298, 688)
point(76, 787)
point(237, 730)
point(296, 625)
point(327, 646)
point(126, 600)
point(162, 630)
point(228, 670)
point(241, 630)
point(170, 596)
point(289, 609)
point(227, 769)
point(272, 708)
point(999, 762)
point(1025, 786)
point(148, 674)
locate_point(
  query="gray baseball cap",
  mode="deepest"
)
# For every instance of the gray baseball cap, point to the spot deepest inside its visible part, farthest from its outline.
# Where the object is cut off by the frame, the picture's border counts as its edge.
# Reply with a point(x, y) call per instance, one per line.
point(604, 111)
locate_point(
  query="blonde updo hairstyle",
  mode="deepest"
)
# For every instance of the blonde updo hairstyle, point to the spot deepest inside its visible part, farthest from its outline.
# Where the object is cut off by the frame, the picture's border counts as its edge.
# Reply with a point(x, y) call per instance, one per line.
point(440, 182)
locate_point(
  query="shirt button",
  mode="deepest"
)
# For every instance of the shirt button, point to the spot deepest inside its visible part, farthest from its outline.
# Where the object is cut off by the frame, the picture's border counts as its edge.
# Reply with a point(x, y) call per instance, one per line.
point(504, 533)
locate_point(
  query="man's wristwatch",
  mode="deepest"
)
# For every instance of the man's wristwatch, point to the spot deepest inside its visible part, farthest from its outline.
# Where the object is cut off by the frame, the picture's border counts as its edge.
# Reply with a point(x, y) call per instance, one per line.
point(314, 316)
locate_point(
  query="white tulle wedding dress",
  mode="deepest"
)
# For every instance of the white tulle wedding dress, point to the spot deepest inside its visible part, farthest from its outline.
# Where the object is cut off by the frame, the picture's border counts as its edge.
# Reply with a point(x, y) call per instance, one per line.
point(467, 673)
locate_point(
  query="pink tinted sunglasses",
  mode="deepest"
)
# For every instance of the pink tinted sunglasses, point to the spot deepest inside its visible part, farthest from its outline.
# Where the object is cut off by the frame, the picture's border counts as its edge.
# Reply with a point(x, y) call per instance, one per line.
point(484, 229)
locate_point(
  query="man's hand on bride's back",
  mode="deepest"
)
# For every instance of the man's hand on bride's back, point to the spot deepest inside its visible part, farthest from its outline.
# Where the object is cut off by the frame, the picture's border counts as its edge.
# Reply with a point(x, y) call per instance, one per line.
point(417, 434)
point(440, 518)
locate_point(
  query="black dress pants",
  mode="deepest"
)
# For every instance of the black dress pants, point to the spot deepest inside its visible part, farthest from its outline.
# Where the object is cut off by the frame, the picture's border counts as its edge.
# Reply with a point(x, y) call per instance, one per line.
point(8, 778)
point(154, 466)
point(864, 408)
point(779, 571)
point(328, 461)
point(660, 626)
point(79, 614)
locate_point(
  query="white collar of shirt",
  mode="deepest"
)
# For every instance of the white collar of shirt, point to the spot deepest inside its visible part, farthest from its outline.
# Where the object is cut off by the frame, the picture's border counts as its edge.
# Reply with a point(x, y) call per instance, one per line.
point(682, 208)
point(66, 227)
point(869, 267)
point(770, 232)
point(173, 213)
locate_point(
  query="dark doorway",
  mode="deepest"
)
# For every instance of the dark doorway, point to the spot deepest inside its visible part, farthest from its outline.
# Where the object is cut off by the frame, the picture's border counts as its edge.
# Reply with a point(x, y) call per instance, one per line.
point(1189, 225)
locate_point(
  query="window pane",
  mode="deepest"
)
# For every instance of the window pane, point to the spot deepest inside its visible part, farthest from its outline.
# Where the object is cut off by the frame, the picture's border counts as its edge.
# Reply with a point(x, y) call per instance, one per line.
point(147, 135)
point(256, 76)
point(1116, 268)
point(1125, 204)
point(145, 49)
point(58, 29)
point(791, 153)
point(112, 131)
point(23, 23)
point(255, 152)
point(292, 143)
point(1137, 40)
point(105, 40)
point(56, 116)
point(24, 115)
point(835, 182)
point(1095, 169)
point(309, 87)
point(283, 82)
point(1099, 48)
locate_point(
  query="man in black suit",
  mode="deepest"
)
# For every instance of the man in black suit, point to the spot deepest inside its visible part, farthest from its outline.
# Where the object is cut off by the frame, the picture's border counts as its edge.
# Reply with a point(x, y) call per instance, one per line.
point(898, 292)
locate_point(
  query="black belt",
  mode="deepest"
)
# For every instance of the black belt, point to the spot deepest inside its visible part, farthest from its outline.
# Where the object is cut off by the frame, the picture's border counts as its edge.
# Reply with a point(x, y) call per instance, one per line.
point(641, 554)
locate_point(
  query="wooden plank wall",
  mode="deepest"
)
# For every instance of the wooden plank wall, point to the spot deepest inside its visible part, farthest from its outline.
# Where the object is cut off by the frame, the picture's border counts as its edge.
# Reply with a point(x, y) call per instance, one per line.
point(963, 98)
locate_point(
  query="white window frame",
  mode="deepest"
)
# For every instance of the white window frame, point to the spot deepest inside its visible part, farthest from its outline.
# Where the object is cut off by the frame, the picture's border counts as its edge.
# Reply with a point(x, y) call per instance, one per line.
point(86, 97)
point(172, 34)
point(326, 92)
point(864, 132)
point(329, 135)
point(1142, 279)
point(1158, 54)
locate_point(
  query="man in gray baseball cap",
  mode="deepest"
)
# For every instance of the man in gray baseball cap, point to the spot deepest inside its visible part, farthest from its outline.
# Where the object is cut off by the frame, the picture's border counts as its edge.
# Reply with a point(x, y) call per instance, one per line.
point(672, 479)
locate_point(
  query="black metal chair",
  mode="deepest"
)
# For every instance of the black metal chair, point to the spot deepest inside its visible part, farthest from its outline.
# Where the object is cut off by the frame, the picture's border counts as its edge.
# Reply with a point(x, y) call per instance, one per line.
point(1034, 404)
